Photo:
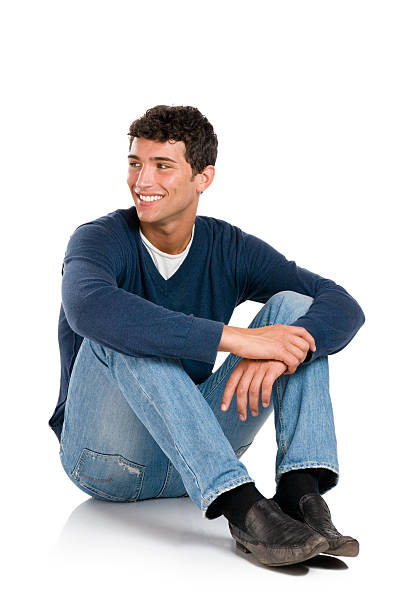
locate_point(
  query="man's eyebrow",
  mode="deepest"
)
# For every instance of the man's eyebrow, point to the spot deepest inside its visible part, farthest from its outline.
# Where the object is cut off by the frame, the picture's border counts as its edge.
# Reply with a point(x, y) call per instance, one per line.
point(155, 158)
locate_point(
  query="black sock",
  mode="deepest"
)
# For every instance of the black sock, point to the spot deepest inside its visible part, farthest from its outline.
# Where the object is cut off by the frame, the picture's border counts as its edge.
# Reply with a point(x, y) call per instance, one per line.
point(293, 485)
point(234, 504)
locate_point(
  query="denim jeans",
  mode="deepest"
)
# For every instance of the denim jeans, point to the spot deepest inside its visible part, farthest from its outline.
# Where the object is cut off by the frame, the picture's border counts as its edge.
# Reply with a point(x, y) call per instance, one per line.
point(138, 428)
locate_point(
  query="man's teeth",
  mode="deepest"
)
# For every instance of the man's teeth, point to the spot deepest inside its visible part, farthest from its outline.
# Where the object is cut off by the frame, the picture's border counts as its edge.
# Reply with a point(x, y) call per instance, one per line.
point(149, 198)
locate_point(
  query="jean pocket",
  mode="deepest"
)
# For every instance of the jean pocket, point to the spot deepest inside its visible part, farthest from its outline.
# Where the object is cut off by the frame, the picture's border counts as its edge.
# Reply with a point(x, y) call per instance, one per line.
point(240, 451)
point(111, 477)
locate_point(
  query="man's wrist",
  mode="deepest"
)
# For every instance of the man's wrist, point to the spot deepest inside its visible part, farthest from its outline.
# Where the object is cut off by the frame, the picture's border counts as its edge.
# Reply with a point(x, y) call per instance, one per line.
point(231, 339)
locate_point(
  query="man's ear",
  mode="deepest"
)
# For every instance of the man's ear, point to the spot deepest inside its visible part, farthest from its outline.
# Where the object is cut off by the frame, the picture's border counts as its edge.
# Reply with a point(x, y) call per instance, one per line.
point(205, 178)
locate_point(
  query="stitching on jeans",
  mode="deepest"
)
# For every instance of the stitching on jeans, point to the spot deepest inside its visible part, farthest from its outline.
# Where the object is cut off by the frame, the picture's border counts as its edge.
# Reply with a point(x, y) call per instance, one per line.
point(168, 469)
point(162, 417)
point(242, 448)
point(208, 499)
point(306, 464)
point(282, 435)
point(75, 474)
point(103, 495)
point(314, 463)
point(187, 465)
point(139, 384)
point(221, 379)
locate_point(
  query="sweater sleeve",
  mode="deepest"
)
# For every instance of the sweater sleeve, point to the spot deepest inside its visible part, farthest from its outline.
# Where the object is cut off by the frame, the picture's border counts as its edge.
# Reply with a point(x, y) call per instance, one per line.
point(97, 308)
point(333, 318)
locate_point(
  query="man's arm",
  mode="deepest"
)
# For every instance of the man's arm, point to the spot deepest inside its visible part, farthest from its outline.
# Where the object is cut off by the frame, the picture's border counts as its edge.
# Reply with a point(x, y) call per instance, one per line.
point(96, 308)
point(333, 318)
point(284, 343)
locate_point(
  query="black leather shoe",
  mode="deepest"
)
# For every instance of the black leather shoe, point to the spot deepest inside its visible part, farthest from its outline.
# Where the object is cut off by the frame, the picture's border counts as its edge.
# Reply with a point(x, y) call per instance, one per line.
point(274, 537)
point(315, 513)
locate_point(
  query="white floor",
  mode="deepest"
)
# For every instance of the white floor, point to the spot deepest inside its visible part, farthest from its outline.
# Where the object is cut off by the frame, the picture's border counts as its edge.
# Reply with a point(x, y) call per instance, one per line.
point(69, 552)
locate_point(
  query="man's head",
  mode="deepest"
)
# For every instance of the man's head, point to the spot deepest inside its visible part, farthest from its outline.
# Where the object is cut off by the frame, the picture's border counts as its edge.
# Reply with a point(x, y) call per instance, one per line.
point(180, 124)
point(173, 150)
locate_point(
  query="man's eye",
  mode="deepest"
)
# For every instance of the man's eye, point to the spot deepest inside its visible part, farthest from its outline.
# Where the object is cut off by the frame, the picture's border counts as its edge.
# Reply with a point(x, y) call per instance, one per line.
point(163, 166)
point(134, 164)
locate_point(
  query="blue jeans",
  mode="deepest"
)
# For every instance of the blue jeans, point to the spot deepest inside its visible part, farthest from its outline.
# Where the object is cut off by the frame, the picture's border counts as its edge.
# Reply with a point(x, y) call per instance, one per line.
point(138, 428)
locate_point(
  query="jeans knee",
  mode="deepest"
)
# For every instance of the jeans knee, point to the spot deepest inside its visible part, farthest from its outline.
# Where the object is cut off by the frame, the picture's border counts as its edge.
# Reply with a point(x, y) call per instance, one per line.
point(289, 305)
point(110, 477)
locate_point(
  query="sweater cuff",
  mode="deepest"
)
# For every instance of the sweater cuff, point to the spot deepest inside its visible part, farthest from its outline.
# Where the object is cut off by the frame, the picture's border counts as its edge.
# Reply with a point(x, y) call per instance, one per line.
point(311, 356)
point(203, 340)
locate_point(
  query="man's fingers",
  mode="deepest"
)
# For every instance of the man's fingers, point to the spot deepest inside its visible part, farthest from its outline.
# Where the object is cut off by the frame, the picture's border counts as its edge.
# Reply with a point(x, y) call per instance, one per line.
point(252, 378)
point(303, 333)
point(266, 392)
point(230, 388)
point(297, 352)
point(290, 360)
point(254, 392)
point(244, 386)
point(300, 343)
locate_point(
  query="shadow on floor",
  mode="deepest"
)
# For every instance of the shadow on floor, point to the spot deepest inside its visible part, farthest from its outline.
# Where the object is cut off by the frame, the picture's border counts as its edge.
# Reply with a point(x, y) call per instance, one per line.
point(171, 529)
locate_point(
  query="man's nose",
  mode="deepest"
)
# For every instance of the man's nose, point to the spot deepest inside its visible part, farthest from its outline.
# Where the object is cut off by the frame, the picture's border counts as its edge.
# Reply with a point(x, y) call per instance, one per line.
point(145, 177)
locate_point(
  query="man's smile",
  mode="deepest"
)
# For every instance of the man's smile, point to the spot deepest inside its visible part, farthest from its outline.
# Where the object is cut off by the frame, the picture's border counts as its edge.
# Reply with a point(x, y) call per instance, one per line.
point(149, 198)
point(146, 198)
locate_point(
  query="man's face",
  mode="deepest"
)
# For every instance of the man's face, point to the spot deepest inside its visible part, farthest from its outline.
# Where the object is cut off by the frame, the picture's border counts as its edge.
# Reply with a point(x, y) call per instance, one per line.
point(160, 180)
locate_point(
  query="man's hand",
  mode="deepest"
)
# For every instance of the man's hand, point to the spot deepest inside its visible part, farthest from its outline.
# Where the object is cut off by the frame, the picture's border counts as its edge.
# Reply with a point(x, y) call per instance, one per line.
point(287, 343)
point(250, 376)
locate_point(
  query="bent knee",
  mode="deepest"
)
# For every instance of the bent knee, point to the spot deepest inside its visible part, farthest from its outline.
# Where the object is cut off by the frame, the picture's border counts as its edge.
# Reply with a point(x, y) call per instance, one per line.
point(106, 476)
point(290, 305)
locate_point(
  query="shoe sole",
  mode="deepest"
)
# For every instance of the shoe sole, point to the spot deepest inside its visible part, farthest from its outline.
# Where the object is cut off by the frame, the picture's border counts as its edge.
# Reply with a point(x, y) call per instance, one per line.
point(273, 556)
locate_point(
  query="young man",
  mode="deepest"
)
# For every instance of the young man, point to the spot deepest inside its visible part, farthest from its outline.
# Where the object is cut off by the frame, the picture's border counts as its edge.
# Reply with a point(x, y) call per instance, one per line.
point(147, 293)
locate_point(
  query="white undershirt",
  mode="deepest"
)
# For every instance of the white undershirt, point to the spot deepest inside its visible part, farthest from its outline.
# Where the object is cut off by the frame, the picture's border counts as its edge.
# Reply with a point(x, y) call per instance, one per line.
point(166, 263)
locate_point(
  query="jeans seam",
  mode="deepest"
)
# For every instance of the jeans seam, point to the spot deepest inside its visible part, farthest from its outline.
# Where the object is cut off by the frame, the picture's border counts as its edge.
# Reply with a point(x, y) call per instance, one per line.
point(74, 475)
point(223, 377)
point(311, 464)
point(187, 465)
point(153, 403)
point(282, 437)
point(277, 314)
point(139, 384)
point(102, 495)
point(306, 464)
point(168, 469)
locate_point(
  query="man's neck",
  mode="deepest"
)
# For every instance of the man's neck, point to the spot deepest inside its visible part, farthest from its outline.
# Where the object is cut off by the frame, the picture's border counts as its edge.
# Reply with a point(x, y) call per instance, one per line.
point(172, 239)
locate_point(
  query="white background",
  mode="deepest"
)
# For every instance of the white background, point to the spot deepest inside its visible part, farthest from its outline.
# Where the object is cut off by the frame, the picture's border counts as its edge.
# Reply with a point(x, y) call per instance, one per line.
point(308, 101)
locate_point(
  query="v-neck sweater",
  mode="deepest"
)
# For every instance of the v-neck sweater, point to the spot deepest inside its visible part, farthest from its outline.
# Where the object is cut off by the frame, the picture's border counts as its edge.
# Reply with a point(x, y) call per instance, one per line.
point(166, 263)
point(113, 294)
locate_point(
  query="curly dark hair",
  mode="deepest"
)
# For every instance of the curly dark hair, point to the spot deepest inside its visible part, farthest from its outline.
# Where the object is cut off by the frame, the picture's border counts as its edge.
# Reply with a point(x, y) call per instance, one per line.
point(179, 123)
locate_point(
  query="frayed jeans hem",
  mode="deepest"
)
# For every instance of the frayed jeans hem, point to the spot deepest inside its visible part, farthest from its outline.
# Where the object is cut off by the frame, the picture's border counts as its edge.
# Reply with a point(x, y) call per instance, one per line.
point(227, 487)
point(325, 486)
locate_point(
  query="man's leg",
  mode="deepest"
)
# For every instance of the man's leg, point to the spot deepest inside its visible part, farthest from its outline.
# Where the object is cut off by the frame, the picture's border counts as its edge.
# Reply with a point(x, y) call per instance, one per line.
point(178, 419)
point(171, 409)
point(301, 402)
point(105, 449)
point(306, 462)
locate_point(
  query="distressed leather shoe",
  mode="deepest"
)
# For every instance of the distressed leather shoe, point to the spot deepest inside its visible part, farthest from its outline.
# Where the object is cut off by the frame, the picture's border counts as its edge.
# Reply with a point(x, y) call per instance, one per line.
point(315, 513)
point(275, 538)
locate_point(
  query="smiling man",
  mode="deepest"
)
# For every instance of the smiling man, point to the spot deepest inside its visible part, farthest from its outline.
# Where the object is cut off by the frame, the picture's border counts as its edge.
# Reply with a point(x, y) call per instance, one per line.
point(147, 294)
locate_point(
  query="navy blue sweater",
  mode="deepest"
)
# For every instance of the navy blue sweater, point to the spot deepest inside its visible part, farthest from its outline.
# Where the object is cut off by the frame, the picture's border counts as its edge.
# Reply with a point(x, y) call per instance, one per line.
point(113, 294)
